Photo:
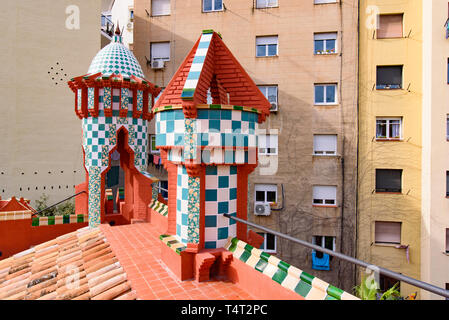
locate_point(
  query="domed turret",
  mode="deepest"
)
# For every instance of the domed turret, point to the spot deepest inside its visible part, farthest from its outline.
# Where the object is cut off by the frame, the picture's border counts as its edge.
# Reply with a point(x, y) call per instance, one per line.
point(114, 102)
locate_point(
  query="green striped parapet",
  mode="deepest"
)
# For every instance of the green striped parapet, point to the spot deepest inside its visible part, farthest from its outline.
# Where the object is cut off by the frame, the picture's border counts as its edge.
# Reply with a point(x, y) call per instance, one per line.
point(173, 243)
point(159, 207)
point(54, 220)
point(288, 276)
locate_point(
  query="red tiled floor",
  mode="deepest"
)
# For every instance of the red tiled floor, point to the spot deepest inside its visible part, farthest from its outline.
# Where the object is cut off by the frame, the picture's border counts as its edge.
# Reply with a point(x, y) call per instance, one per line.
point(137, 248)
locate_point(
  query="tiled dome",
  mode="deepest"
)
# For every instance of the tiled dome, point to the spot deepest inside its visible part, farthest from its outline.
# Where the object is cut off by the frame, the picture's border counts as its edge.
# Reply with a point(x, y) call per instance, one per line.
point(116, 58)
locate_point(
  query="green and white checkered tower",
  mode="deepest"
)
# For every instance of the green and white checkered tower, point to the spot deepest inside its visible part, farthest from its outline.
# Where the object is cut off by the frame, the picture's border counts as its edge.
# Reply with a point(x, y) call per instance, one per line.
point(112, 97)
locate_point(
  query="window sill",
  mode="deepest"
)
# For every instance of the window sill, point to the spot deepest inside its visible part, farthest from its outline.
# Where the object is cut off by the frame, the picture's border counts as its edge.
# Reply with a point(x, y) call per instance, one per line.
point(387, 140)
point(324, 206)
point(212, 11)
point(276, 56)
point(160, 15)
point(326, 104)
point(266, 7)
point(380, 244)
point(327, 54)
point(387, 192)
point(326, 155)
point(390, 89)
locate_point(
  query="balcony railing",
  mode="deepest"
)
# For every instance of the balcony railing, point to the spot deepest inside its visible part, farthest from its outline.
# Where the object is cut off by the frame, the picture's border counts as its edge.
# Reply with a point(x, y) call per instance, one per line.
point(107, 26)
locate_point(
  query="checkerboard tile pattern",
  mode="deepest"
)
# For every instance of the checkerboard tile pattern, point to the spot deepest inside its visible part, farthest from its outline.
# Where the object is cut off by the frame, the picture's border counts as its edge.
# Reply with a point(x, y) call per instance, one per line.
point(221, 197)
point(116, 58)
point(99, 138)
point(182, 204)
point(223, 134)
point(290, 277)
point(187, 207)
point(52, 220)
point(197, 66)
point(15, 215)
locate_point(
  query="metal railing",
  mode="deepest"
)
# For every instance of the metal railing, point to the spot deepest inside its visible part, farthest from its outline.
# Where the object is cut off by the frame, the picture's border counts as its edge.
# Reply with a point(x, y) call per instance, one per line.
point(54, 205)
point(417, 283)
point(107, 26)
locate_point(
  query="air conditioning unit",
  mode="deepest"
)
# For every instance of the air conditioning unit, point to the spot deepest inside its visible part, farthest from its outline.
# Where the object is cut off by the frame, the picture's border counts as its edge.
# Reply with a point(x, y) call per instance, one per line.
point(262, 209)
point(129, 25)
point(274, 106)
point(157, 64)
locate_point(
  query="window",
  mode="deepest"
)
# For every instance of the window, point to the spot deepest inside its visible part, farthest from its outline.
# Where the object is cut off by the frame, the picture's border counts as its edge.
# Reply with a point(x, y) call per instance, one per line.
point(153, 148)
point(447, 183)
point(266, 193)
point(389, 77)
point(266, 3)
point(271, 93)
point(388, 180)
point(268, 144)
point(324, 242)
point(325, 43)
point(212, 5)
point(163, 185)
point(447, 127)
point(324, 144)
point(131, 15)
point(160, 7)
point(266, 46)
point(325, 1)
point(388, 128)
point(386, 283)
point(160, 51)
point(390, 26)
point(325, 196)
point(269, 243)
point(388, 232)
point(325, 94)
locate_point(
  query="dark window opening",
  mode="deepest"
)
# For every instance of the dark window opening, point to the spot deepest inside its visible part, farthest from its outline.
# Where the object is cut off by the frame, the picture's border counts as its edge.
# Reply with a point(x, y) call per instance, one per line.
point(389, 77)
point(388, 180)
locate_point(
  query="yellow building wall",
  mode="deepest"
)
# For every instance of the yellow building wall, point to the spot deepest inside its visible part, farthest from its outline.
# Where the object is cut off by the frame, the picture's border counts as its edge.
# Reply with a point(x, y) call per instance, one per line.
point(40, 135)
point(405, 154)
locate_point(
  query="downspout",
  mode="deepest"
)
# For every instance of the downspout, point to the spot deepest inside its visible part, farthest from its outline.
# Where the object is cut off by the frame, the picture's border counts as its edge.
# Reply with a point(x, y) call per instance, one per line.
point(343, 143)
point(358, 151)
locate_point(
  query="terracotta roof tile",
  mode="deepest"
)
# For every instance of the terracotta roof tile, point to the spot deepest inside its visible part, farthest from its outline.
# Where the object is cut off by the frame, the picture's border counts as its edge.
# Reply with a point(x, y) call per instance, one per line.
point(78, 265)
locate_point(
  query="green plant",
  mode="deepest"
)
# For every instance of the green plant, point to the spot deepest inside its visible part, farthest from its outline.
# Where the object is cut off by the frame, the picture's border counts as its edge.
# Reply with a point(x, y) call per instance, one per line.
point(392, 293)
point(41, 204)
point(66, 208)
point(368, 290)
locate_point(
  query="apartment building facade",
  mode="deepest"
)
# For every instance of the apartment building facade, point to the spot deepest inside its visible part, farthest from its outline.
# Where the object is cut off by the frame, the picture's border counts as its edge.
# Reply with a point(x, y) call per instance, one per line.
point(390, 166)
point(303, 57)
point(39, 137)
point(435, 153)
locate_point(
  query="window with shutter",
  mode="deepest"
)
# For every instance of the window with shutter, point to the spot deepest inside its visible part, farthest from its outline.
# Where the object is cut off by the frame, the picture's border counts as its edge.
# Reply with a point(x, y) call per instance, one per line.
point(388, 232)
point(325, 43)
point(266, 46)
point(325, 195)
point(390, 26)
point(268, 144)
point(325, 144)
point(160, 51)
point(389, 77)
point(388, 180)
point(160, 7)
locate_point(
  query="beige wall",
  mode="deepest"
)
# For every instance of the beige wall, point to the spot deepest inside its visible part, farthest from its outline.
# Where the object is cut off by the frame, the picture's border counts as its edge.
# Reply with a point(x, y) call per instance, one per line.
point(404, 154)
point(435, 262)
point(295, 71)
point(39, 131)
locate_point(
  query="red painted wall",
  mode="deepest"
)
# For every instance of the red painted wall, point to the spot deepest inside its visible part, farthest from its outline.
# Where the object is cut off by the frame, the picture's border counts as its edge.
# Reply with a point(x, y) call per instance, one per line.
point(19, 235)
